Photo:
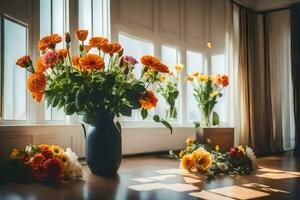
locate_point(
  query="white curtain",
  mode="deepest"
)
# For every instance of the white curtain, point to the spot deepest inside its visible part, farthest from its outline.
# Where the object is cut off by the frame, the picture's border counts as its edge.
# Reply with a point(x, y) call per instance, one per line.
point(279, 41)
point(231, 59)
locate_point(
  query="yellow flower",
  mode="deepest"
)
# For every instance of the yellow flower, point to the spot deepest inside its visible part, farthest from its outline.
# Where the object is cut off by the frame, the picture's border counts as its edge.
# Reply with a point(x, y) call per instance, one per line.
point(209, 45)
point(241, 149)
point(202, 77)
point(214, 93)
point(195, 74)
point(178, 67)
point(187, 162)
point(162, 78)
point(171, 74)
point(189, 78)
point(14, 153)
point(57, 151)
point(203, 159)
point(189, 141)
point(217, 148)
point(177, 78)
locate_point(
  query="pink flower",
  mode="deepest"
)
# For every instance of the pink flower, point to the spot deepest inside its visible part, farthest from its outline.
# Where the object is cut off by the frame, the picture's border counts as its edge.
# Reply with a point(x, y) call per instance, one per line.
point(130, 59)
point(50, 58)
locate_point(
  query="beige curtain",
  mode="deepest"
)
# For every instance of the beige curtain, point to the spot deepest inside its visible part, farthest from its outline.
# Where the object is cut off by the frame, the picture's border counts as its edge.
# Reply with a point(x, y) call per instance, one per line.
point(266, 118)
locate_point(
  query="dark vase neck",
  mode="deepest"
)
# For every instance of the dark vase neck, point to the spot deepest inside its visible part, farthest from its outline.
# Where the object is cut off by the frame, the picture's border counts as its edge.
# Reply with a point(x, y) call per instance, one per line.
point(104, 117)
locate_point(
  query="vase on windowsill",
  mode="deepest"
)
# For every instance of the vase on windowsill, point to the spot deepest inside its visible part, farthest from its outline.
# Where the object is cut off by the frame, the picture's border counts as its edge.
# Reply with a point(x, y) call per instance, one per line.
point(171, 113)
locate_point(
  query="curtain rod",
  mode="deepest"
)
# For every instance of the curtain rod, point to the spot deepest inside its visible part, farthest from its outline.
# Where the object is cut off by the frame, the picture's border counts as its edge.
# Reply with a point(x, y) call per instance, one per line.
point(261, 12)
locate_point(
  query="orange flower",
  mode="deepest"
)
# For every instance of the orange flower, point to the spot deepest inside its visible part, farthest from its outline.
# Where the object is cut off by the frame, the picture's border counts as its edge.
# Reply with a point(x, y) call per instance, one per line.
point(82, 34)
point(224, 80)
point(160, 67)
point(37, 96)
point(87, 48)
point(40, 68)
point(91, 61)
point(75, 62)
point(148, 61)
point(36, 82)
point(49, 42)
point(24, 61)
point(98, 41)
point(62, 53)
point(148, 100)
point(43, 147)
point(111, 48)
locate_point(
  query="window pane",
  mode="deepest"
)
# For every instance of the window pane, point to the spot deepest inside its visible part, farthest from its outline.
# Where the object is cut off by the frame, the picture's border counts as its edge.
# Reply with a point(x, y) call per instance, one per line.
point(56, 24)
point(169, 56)
point(85, 15)
point(14, 84)
point(136, 48)
point(218, 67)
point(194, 62)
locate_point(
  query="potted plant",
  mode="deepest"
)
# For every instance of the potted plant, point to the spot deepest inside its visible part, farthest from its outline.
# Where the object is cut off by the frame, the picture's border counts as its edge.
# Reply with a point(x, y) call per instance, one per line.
point(168, 88)
point(207, 90)
point(99, 92)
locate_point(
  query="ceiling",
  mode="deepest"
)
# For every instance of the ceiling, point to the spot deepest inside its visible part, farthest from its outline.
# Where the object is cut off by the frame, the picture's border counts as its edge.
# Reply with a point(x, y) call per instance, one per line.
point(261, 5)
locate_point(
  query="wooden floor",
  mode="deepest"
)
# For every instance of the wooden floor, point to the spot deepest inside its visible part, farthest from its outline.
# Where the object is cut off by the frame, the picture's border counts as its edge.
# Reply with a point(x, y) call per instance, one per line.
point(158, 177)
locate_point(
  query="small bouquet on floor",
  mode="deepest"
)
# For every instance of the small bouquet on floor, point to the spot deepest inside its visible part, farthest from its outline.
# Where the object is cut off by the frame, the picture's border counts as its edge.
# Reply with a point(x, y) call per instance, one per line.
point(202, 158)
point(168, 88)
point(42, 163)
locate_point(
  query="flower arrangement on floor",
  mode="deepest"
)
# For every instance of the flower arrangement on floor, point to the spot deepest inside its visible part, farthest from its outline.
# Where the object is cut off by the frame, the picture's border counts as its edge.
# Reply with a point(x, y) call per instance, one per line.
point(207, 89)
point(168, 88)
point(202, 158)
point(42, 163)
point(84, 84)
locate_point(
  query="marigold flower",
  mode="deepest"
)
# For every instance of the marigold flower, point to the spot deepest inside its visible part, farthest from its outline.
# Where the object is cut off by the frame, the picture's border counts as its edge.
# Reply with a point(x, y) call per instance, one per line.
point(98, 41)
point(189, 141)
point(37, 160)
point(148, 61)
point(202, 77)
point(62, 53)
point(49, 42)
point(56, 150)
point(75, 62)
point(195, 74)
point(160, 68)
point(24, 61)
point(91, 62)
point(179, 67)
point(111, 48)
point(87, 48)
point(43, 147)
point(39, 66)
point(82, 35)
point(37, 96)
point(187, 162)
point(148, 100)
point(189, 78)
point(162, 78)
point(50, 58)
point(53, 169)
point(36, 82)
point(203, 159)
point(224, 80)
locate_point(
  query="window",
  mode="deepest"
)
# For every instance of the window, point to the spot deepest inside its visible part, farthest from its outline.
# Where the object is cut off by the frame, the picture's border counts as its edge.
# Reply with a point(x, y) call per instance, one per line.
point(51, 14)
point(137, 48)
point(14, 78)
point(170, 57)
point(194, 62)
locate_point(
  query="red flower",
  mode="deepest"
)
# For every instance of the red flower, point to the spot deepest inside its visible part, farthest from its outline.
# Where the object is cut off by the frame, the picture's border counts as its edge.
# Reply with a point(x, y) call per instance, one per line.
point(47, 153)
point(37, 160)
point(38, 173)
point(53, 169)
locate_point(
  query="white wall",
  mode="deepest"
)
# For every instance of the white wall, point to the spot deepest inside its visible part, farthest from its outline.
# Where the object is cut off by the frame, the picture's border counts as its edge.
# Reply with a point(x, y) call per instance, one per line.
point(262, 5)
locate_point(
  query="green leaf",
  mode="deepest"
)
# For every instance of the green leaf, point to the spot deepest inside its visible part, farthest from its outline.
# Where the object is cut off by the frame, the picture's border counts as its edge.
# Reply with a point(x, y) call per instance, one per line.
point(70, 109)
point(167, 124)
point(156, 118)
point(139, 88)
point(125, 110)
point(89, 118)
point(80, 98)
point(55, 101)
point(215, 119)
point(197, 124)
point(144, 113)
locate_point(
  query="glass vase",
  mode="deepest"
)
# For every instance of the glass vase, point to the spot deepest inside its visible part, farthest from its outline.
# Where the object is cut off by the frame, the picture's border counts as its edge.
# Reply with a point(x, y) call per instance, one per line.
point(205, 118)
point(171, 113)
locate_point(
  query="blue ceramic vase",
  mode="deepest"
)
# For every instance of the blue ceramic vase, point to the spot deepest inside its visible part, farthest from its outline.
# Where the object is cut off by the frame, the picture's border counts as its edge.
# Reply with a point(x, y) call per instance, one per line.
point(104, 146)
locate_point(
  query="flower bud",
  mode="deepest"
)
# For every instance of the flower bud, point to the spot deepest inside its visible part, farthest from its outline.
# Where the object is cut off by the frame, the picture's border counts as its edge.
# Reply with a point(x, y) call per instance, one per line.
point(67, 37)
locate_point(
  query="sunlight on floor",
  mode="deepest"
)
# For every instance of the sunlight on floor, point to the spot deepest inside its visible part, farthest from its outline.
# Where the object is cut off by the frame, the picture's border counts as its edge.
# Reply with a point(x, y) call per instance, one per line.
point(193, 183)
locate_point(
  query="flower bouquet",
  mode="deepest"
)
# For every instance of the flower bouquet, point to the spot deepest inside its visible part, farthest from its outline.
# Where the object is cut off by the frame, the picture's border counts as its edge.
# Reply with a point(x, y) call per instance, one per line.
point(207, 89)
point(42, 163)
point(168, 88)
point(202, 158)
point(97, 90)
